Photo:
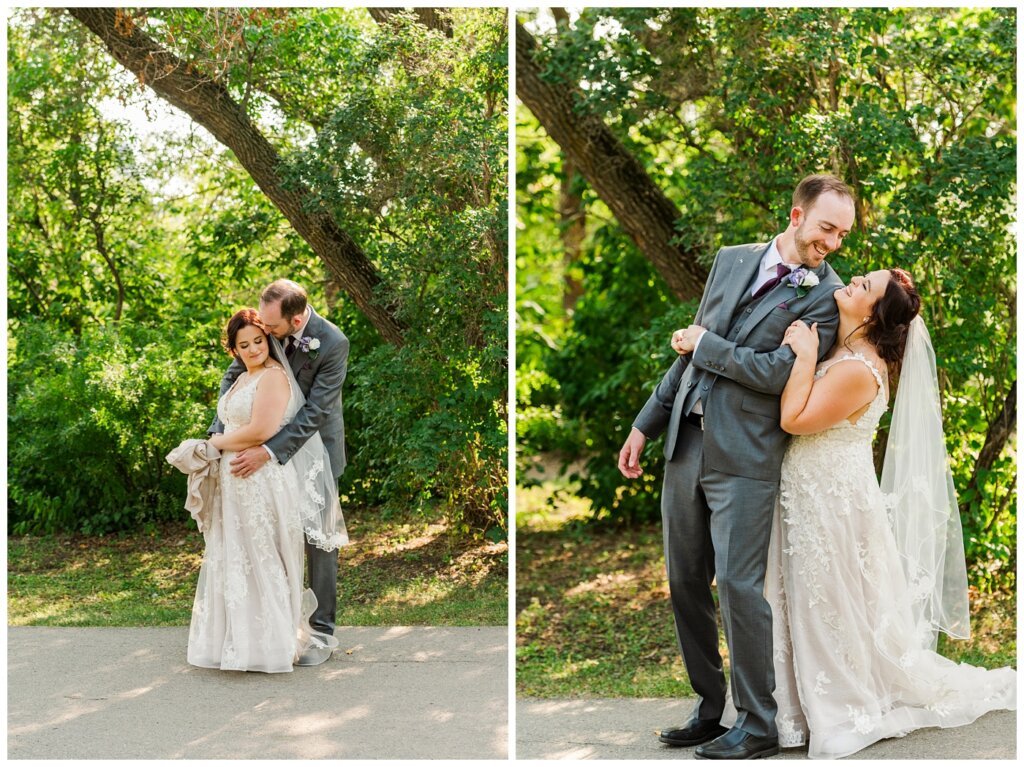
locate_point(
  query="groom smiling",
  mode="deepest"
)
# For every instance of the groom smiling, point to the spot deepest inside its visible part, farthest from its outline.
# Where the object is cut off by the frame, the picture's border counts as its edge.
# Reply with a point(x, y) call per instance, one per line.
point(718, 406)
point(317, 352)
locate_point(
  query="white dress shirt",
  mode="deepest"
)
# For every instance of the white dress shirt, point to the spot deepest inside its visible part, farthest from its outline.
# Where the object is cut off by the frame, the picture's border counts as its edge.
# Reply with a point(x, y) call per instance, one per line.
point(769, 261)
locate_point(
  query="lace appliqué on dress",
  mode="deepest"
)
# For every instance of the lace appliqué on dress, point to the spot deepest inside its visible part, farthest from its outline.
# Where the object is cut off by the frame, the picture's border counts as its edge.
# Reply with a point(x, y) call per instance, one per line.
point(849, 668)
point(251, 611)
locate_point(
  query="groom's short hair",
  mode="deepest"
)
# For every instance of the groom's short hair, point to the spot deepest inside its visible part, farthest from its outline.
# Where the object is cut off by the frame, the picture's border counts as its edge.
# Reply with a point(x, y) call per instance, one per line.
point(291, 295)
point(814, 186)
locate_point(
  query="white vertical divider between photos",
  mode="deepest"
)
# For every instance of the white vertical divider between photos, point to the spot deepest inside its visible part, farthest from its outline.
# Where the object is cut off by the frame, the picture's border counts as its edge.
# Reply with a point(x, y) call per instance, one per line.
point(511, 164)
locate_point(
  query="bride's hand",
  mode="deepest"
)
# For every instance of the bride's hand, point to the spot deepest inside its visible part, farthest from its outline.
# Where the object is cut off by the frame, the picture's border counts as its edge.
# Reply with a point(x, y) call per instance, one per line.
point(685, 340)
point(677, 343)
point(802, 340)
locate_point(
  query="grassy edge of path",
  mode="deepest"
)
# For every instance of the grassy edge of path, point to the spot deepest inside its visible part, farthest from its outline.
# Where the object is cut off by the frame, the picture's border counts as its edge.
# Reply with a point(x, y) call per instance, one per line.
point(397, 571)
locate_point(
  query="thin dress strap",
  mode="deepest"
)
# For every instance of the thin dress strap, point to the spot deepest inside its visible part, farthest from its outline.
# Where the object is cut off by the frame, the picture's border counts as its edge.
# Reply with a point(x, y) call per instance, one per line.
point(858, 356)
point(252, 380)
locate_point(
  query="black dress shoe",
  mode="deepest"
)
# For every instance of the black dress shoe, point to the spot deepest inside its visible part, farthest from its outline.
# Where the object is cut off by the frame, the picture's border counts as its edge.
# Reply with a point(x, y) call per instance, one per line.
point(693, 733)
point(737, 744)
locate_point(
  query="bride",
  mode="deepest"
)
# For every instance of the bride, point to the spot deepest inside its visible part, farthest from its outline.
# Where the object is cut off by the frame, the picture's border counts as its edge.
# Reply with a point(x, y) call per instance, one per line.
point(861, 577)
point(251, 612)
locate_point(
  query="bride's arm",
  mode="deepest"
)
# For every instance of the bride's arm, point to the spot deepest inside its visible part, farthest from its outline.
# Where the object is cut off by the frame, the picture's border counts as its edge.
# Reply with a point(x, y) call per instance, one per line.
point(810, 406)
point(268, 408)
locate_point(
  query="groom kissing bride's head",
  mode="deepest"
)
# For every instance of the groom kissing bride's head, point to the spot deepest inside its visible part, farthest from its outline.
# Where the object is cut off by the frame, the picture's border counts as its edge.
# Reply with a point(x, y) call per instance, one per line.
point(283, 308)
point(285, 440)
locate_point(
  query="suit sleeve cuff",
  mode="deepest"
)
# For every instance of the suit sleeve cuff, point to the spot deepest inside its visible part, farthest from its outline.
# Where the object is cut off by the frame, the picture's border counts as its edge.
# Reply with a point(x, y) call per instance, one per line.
point(697, 343)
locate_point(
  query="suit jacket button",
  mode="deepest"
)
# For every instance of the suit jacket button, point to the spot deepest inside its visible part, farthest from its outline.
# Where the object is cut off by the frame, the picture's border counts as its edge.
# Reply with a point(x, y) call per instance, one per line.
point(749, 310)
point(704, 387)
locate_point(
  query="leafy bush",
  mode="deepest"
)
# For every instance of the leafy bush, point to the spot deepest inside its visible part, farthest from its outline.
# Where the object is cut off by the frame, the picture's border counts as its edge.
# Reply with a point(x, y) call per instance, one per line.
point(90, 420)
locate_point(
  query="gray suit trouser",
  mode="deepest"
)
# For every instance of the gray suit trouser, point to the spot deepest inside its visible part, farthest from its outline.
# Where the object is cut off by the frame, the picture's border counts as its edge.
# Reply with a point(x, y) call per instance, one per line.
point(718, 526)
point(323, 580)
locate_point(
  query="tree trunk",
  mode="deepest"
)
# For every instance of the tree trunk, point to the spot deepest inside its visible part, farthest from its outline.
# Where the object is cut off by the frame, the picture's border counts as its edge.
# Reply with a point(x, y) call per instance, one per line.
point(432, 18)
point(573, 225)
point(999, 433)
point(209, 104)
point(571, 212)
point(640, 207)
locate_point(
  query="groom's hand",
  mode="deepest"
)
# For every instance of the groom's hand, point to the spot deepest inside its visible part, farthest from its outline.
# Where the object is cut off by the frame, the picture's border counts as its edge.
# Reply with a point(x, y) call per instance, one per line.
point(629, 456)
point(249, 461)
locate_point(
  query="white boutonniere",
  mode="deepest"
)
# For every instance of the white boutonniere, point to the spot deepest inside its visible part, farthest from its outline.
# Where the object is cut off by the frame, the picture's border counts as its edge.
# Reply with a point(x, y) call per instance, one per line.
point(310, 346)
point(802, 280)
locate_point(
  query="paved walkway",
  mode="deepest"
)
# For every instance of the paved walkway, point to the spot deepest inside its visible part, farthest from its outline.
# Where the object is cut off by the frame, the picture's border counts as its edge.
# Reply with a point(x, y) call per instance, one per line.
point(398, 693)
point(628, 729)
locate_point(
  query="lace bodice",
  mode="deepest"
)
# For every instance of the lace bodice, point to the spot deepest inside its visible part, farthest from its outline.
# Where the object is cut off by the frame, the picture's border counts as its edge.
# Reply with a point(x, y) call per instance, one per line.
point(868, 420)
point(235, 407)
point(251, 612)
point(832, 464)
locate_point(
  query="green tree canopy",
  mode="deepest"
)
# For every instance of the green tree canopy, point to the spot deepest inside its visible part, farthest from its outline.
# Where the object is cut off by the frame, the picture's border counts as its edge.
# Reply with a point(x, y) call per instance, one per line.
point(362, 155)
point(725, 110)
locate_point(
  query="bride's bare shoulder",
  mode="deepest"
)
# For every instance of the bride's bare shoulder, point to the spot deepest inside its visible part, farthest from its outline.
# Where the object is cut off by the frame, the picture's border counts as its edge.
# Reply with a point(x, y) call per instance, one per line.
point(275, 377)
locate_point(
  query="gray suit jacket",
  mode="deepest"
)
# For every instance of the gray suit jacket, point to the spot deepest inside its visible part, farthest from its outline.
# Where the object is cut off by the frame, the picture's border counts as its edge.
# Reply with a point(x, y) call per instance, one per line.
point(740, 381)
point(320, 380)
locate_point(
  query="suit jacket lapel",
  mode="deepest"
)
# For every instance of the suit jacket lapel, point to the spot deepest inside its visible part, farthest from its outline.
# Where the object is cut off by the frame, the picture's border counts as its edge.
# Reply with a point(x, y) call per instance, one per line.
point(312, 328)
point(769, 301)
point(777, 295)
point(741, 277)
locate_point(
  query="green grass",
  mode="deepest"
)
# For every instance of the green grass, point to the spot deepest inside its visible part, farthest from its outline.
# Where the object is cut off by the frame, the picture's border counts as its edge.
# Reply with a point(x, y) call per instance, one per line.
point(592, 609)
point(396, 572)
point(593, 617)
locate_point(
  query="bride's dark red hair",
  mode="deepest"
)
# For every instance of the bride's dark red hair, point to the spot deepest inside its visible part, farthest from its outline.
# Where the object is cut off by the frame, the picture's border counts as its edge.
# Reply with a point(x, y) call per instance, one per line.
point(889, 323)
point(240, 319)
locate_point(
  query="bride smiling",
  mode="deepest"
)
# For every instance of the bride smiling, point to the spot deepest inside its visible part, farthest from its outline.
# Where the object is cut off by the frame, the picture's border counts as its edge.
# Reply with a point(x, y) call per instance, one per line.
point(861, 577)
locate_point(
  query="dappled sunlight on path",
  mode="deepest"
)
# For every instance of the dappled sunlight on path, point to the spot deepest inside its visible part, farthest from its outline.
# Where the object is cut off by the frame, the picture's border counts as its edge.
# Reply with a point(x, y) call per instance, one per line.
point(110, 693)
point(627, 728)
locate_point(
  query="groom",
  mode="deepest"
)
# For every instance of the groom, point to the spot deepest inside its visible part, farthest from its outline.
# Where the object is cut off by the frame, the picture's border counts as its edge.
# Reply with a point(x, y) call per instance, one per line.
point(318, 353)
point(718, 406)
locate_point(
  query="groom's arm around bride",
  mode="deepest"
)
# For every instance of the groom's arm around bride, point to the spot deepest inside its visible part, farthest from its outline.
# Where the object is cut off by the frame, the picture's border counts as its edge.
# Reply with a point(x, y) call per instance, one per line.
point(320, 363)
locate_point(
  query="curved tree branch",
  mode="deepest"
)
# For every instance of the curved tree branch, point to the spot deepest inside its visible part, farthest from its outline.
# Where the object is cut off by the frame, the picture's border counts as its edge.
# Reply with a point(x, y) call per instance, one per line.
point(432, 18)
point(1000, 431)
point(210, 105)
point(639, 205)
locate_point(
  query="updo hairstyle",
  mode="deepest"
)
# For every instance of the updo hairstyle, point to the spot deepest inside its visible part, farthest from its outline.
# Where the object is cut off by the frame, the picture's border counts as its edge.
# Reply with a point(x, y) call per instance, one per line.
point(240, 319)
point(887, 327)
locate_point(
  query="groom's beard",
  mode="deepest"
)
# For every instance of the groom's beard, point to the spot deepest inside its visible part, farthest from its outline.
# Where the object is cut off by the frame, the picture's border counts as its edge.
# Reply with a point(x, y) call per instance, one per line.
point(807, 253)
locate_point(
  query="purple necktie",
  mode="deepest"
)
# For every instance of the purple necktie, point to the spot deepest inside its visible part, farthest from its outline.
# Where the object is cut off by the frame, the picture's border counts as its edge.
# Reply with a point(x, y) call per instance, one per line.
point(781, 271)
point(289, 349)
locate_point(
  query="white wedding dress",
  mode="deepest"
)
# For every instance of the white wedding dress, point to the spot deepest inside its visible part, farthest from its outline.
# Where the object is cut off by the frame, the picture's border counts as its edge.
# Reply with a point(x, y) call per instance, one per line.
point(851, 668)
point(251, 612)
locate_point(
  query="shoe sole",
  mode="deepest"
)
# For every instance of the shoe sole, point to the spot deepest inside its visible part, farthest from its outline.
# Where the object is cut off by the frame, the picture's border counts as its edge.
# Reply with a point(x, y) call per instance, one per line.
point(695, 742)
point(759, 755)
